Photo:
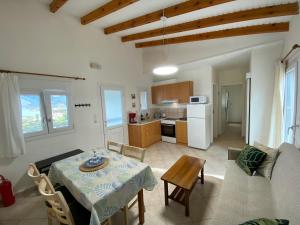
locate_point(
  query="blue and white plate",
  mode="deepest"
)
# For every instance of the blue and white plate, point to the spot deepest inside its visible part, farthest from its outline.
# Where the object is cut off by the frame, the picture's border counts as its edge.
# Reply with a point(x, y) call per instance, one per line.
point(93, 162)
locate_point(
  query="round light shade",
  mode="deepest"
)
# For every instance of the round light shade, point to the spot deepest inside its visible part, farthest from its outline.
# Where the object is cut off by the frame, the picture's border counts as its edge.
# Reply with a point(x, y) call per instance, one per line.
point(165, 70)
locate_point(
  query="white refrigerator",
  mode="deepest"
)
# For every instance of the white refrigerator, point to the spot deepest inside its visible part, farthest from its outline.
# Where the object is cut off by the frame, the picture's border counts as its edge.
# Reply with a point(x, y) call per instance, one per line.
point(199, 125)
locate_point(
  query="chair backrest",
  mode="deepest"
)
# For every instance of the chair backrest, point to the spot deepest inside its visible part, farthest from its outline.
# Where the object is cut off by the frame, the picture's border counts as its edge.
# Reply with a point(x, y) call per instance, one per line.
point(34, 173)
point(56, 200)
point(114, 146)
point(134, 152)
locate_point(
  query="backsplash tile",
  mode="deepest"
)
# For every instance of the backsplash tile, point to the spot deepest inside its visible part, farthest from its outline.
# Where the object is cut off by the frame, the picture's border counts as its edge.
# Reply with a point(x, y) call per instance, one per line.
point(170, 112)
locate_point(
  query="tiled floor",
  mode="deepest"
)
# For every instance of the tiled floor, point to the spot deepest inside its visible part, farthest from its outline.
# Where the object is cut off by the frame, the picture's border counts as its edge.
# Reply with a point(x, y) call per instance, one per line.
point(30, 209)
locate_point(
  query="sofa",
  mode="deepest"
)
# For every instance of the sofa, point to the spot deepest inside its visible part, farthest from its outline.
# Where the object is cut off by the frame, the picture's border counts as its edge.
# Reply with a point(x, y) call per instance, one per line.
point(245, 197)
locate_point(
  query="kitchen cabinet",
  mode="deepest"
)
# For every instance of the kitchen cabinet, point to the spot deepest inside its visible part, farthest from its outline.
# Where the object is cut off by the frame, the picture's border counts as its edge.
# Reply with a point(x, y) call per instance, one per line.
point(144, 134)
point(177, 91)
point(181, 132)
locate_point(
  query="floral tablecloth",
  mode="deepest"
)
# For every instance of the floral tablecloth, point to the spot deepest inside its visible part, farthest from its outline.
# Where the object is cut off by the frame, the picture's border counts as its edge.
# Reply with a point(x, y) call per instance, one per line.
point(107, 190)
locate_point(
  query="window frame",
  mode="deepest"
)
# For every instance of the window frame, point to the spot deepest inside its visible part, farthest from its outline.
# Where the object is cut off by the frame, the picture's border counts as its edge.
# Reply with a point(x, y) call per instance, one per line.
point(147, 100)
point(42, 111)
point(291, 66)
point(46, 112)
point(48, 108)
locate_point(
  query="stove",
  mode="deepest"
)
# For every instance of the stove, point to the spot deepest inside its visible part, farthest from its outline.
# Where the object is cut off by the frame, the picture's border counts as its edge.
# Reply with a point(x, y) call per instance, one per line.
point(168, 130)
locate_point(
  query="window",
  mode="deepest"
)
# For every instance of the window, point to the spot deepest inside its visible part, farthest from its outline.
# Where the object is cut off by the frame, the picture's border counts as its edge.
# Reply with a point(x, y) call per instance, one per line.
point(113, 100)
point(144, 100)
point(45, 112)
point(59, 106)
point(290, 94)
point(32, 114)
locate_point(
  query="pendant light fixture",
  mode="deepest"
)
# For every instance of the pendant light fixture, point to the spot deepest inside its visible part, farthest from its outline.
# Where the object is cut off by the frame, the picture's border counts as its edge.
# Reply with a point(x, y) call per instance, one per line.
point(164, 69)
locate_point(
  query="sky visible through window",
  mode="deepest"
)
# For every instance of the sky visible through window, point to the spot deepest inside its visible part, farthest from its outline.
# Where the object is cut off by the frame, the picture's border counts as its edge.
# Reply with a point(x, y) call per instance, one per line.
point(31, 113)
point(59, 106)
point(113, 107)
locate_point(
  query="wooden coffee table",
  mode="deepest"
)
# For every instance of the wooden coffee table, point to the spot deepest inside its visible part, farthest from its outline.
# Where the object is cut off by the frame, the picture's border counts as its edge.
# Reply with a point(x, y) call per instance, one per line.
point(184, 175)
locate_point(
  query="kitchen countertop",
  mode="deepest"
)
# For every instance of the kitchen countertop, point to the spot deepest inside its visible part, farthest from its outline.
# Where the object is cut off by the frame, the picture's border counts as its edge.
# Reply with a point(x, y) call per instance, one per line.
point(153, 120)
point(144, 122)
point(182, 120)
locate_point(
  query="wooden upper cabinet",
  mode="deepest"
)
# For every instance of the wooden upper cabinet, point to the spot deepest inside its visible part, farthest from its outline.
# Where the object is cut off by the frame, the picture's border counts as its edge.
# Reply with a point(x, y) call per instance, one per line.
point(185, 90)
point(157, 94)
point(177, 91)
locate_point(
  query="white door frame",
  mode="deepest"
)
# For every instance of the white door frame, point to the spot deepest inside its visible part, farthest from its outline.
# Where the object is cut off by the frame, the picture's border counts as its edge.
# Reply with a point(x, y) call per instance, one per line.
point(102, 106)
point(215, 110)
point(297, 129)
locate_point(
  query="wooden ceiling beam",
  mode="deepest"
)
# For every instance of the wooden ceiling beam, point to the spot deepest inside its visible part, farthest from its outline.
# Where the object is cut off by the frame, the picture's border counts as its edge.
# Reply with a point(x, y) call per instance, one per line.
point(252, 14)
point(105, 10)
point(175, 10)
point(56, 5)
point(257, 29)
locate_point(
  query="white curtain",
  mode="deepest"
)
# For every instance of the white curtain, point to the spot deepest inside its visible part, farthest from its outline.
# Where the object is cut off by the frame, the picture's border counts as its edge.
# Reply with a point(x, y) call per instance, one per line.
point(11, 135)
point(276, 126)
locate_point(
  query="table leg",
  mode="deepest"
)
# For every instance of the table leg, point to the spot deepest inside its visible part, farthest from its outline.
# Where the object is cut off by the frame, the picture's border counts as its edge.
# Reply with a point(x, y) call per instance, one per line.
point(141, 207)
point(202, 176)
point(166, 193)
point(187, 203)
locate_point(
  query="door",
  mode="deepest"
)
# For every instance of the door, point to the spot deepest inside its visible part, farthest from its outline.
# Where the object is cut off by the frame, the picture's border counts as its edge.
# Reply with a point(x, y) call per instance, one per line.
point(113, 113)
point(290, 120)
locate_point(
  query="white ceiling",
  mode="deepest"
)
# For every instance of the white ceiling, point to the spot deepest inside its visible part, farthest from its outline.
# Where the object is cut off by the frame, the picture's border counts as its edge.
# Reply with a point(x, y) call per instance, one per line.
point(79, 8)
point(236, 59)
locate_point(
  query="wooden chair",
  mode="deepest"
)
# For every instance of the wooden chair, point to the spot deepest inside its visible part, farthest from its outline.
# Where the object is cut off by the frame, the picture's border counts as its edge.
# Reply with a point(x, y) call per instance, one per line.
point(134, 152)
point(34, 173)
point(74, 214)
point(114, 146)
point(139, 154)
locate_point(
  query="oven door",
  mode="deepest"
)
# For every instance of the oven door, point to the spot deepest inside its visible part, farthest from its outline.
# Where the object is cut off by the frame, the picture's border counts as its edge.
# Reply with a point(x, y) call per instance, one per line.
point(168, 130)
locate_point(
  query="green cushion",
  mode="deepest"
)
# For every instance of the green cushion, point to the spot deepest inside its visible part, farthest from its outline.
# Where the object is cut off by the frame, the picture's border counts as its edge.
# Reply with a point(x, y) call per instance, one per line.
point(250, 158)
point(264, 221)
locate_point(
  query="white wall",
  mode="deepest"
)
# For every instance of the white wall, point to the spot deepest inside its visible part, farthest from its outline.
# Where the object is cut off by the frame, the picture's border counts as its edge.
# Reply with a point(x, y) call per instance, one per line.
point(33, 39)
point(202, 79)
point(293, 35)
point(262, 69)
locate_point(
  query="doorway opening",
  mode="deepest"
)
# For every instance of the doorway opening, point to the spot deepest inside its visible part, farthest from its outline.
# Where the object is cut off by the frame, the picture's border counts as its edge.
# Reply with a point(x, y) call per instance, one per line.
point(232, 104)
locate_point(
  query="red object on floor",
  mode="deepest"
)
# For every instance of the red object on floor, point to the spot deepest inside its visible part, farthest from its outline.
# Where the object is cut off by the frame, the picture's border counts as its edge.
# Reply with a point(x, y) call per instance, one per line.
point(6, 193)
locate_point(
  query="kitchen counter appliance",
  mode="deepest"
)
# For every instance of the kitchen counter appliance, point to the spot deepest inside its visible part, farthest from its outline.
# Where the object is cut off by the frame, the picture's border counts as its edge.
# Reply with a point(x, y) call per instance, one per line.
point(199, 125)
point(168, 130)
point(198, 99)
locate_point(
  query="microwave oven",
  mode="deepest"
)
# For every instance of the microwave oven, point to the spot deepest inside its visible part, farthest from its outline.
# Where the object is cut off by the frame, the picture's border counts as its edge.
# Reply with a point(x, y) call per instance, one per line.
point(198, 99)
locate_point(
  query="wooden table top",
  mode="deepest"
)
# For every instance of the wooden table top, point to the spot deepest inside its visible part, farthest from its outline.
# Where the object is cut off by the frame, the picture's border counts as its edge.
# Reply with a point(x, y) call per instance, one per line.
point(184, 172)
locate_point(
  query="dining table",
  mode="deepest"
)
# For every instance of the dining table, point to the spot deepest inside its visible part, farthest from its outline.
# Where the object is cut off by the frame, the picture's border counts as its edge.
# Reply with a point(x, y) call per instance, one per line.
point(107, 190)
